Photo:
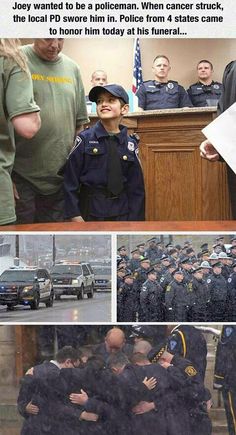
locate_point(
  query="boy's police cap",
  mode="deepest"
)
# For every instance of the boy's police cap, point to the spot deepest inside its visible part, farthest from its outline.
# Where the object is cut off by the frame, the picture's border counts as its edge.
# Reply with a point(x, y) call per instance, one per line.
point(115, 90)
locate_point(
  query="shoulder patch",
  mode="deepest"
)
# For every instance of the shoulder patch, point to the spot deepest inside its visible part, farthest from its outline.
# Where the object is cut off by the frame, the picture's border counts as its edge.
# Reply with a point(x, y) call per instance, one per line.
point(144, 289)
point(77, 143)
point(190, 370)
point(208, 281)
point(229, 279)
point(228, 331)
point(131, 146)
point(168, 288)
point(172, 344)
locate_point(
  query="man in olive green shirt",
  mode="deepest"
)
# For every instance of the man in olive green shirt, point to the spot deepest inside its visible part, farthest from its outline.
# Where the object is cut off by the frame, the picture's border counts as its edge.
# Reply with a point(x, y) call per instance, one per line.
point(17, 111)
point(59, 91)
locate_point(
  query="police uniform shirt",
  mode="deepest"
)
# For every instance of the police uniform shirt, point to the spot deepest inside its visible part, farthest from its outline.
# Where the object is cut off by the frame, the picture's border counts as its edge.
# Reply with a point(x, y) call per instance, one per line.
point(87, 166)
point(153, 95)
point(203, 95)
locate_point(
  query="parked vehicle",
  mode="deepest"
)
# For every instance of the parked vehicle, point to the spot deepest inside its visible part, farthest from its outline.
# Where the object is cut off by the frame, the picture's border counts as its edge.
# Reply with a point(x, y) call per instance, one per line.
point(26, 286)
point(102, 275)
point(70, 278)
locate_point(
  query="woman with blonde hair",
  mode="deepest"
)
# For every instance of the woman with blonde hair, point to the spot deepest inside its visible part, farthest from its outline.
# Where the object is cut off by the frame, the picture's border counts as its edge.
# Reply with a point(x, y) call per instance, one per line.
point(17, 111)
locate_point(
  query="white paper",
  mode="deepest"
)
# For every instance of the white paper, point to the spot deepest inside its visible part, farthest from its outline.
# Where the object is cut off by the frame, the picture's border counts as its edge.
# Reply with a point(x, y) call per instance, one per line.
point(222, 134)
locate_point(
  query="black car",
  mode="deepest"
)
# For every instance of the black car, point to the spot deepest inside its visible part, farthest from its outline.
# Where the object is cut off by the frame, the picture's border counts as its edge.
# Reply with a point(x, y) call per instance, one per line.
point(26, 286)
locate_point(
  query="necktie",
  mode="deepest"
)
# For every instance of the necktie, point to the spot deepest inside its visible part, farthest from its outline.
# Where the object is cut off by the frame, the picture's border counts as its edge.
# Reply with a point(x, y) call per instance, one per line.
point(114, 171)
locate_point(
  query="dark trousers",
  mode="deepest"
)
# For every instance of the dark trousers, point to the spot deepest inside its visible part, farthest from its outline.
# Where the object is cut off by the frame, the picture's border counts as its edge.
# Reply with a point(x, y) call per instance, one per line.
point(33, 207)
point(230, 410)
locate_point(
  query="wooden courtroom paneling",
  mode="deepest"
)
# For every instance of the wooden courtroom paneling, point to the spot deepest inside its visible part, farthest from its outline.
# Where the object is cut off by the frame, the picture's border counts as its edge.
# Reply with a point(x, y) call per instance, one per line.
point(180, 185)
point(151, 226)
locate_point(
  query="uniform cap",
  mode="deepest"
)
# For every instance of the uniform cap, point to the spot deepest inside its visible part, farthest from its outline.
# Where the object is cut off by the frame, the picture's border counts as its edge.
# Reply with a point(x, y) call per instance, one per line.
point(143, 331)
point(140, 244)
point(205, 252)
point(204, 246)
point(205, 265)
point(153, 239)
point(129, 275)
point(213, 256)
point(135, 250)
point(121, 247)
point(164, 257)
point(144, 259)
point(113, 89)
point(185, 260)
point(218, 264)
point(195, 269)
point(219, 238)
point(223, 255)
point(177, 271)
point(151, 270)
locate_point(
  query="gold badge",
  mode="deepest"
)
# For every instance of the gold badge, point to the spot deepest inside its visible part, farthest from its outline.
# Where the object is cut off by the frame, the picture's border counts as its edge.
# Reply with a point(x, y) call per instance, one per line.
point(191, 371)
point(125, 158)
point(95, 150)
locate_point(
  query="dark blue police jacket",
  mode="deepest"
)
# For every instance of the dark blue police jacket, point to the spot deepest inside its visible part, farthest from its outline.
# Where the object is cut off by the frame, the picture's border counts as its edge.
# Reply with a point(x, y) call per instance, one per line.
point(87, 166)
point(153, 95)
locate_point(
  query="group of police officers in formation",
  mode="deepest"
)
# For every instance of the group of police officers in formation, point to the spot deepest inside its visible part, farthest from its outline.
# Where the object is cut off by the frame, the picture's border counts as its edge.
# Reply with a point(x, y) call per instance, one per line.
point(172, 283)
point(149, 381)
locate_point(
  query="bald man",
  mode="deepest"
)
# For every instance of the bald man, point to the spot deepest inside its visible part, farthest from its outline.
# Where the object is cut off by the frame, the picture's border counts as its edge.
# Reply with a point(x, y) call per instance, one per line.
point(114, 342)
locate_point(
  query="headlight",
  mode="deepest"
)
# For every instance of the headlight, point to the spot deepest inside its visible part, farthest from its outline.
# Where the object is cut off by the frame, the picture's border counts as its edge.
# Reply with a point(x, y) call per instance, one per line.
point(27, 288)
point(75, 281)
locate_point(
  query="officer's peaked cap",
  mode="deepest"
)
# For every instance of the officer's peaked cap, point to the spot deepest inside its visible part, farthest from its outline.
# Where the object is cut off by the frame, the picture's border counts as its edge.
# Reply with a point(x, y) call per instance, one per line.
point(115, 90)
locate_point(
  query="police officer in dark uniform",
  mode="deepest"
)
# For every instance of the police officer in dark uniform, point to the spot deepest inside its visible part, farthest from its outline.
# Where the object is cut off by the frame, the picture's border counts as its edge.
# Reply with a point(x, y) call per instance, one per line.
point(134, 262)
point(126, 300)
point(151, 299)
point(187, 383)
point(153, 251)
point(140, 277)
point(103, 178)
point(232, 295)
point(225, 374)
point(189, 342)
point(122, 252)
point(162, 93)
point(185, 263)
point(218, 289)
point(177, 298)
point(167, 277)
point(205, 92)
point(200, 296)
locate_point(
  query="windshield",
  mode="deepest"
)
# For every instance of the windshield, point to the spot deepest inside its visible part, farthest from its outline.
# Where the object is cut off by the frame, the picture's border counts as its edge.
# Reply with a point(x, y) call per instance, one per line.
point(101, 270)
point(66, 269)
point(19, 276)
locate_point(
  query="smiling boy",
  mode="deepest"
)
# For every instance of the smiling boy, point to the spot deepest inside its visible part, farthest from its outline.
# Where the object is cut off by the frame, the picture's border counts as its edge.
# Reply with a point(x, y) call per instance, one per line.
point(103, 179)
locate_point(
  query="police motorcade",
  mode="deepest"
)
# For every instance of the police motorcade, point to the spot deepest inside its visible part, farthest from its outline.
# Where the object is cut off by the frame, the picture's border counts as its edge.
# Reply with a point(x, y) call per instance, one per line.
point(73, 278)
point(26, 286)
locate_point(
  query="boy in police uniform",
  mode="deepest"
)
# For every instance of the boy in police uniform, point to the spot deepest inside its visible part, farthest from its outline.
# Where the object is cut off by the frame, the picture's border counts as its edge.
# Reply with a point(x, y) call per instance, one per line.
point(103, 179)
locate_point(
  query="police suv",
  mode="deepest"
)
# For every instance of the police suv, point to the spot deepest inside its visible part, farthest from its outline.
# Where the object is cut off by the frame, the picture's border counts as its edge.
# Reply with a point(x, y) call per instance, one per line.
point(73, 278)
point(26, 286)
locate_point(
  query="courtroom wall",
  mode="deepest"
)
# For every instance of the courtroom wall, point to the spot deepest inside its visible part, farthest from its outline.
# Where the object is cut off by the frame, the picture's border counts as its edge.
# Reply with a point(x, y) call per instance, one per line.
point(115, 55)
